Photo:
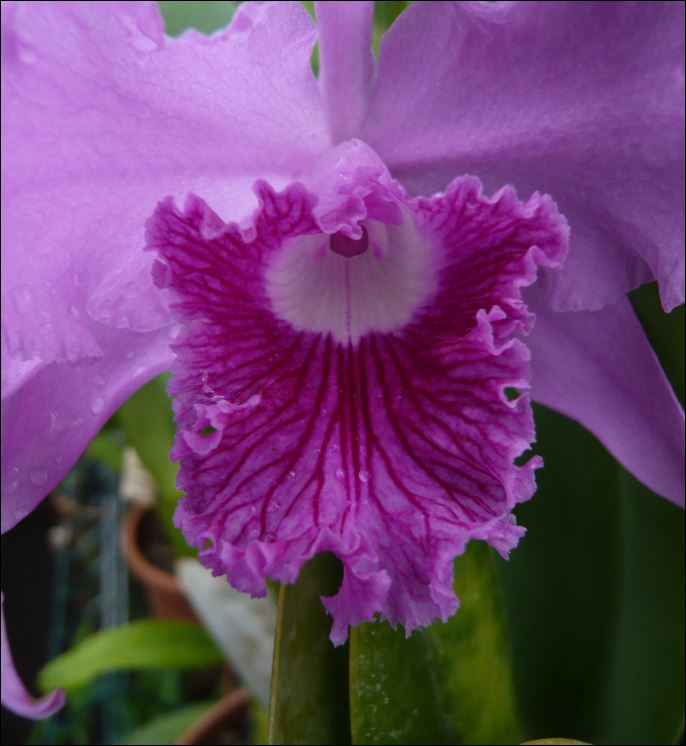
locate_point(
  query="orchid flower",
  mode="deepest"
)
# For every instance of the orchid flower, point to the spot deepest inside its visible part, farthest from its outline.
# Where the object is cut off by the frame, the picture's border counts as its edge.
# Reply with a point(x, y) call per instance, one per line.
point(339, 271)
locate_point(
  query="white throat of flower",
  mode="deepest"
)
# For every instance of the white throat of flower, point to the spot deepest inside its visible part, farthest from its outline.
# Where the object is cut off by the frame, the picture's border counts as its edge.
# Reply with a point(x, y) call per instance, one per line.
point(318, 289)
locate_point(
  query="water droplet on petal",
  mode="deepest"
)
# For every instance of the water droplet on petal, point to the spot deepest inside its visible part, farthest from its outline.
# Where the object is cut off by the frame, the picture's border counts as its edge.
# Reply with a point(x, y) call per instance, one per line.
point(340, 475)
point(52, 422)
point(97, 405)
point(364, 476)
point(23, 298)
point(13, 481)
point(291, 474)
point(27, 56)
point(38, 477)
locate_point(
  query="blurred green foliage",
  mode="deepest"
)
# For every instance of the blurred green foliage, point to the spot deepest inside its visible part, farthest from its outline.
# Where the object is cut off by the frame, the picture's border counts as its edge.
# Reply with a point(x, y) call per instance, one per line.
point(147, 421)
point(166, 729)
point(144, 644)
point(203, 15)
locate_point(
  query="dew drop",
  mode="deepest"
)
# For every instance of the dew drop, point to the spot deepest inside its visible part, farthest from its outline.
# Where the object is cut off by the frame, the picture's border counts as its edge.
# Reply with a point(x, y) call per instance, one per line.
point(23, 298)
point(14, 480)
point(27, 56)
point(52, 422)
point(97, 405)
point(340, 475)
point(38, 477)
point(364, 475)
point(291, 474)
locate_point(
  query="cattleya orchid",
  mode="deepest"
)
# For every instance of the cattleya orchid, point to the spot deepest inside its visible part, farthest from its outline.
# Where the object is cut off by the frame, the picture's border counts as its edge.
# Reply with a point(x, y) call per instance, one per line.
point(345, 312)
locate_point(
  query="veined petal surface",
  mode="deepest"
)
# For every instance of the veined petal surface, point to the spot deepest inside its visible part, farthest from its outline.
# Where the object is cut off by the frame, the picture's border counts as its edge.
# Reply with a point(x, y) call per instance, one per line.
point(390, 445)
point(582, 100)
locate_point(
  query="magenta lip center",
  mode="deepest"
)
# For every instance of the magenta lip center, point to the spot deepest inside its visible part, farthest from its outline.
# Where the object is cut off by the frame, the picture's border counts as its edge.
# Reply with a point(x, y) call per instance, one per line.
point(349, 247)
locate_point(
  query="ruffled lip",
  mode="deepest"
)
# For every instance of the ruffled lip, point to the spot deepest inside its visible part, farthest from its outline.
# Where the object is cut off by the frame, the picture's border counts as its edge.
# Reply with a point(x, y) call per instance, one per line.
point(392, 449)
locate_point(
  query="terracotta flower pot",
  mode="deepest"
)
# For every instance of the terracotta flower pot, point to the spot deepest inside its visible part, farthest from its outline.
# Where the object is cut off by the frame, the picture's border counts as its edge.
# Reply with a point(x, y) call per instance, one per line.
point(225, 722)
point(165, 595)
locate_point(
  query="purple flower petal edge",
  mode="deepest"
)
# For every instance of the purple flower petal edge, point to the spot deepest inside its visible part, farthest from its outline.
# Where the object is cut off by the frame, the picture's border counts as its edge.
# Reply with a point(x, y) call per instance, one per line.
point(14, 694)
point(392, 452)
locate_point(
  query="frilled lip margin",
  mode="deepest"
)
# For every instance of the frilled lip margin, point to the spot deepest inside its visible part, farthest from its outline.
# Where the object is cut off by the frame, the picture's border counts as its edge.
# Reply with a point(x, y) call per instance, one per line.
point(391, 452)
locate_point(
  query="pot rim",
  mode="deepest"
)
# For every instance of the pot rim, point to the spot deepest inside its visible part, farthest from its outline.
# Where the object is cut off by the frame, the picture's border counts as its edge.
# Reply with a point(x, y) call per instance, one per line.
point(136, 561)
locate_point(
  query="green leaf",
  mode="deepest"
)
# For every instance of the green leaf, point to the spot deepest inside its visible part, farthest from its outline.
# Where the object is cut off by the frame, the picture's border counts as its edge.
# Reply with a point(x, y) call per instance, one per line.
point(203, 15)
point(450, 683)
point(595, 592)
point(259, 720)
point(147, 421)
point(646, 680)
point(139, 645)
point(106, 449)
point(309, 698)
point(166, 729)
point(561, 583)
point(595, 596)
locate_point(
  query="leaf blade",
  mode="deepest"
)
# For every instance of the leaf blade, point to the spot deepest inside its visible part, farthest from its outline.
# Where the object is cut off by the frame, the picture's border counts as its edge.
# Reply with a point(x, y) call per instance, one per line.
point(309, 701)
point(421, 689)
point(148, 643)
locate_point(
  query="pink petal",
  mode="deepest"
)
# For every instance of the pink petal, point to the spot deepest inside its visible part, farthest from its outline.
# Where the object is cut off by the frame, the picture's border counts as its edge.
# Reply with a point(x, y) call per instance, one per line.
point(51, 418)
point(102, 114)
point(392, 446)
point(346, 64)
point(599, 369)
point(583, 100)
point(14, 694)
